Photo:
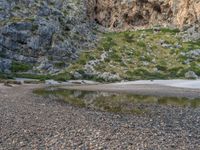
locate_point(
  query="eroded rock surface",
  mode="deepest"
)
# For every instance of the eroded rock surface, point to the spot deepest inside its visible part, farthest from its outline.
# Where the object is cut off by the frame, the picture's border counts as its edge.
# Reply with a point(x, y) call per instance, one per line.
point(52, 32)
point(131, 13)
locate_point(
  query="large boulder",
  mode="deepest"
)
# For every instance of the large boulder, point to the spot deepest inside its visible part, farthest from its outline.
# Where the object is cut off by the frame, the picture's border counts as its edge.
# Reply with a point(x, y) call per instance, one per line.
point(191, 75)
point(5, 65)
point(107, 76)
point(191, 33)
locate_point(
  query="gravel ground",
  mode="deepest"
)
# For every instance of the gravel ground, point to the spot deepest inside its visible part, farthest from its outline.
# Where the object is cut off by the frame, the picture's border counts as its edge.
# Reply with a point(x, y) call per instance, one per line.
point(28, 121)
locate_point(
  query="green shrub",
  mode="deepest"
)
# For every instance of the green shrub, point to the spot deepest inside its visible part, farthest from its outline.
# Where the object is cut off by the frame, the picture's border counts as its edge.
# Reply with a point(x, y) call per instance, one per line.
point(176, 72)
point(59, 64)
point(2, 54)
point(33, 76)
point(59, 77)
point(144, 74)
point(167, 30)
point(145, 58)
point(141, 44)
point(115, 57)
point(161, 67)
point(108, 44)
point(62, 77)
point(20, 67)
point(128, 37)
point(5, 76)
point(194, 67)
point(34, 28)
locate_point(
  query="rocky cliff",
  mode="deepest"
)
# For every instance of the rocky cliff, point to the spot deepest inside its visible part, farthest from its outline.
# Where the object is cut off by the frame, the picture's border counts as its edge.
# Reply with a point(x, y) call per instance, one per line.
point(43, 33)
point(137, 13)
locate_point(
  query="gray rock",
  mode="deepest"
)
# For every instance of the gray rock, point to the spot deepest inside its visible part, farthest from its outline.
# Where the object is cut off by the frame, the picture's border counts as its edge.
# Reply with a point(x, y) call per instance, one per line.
point(107, 76)
point(5, 65)
point(21, 26)
point(177, 46)
point(51, 82)
point(44, 66)
point(193, 55)
point(77, 75)
point(164, 44)
point(192, 33)
point(44, 11)
point(34, 43)
point(35, 29)
point(191, 75)
point(167, 45)
point(145, 63)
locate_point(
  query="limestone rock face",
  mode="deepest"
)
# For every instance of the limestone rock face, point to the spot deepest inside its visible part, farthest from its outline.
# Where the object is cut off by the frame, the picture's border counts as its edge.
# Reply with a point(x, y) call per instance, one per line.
point(38, 31)
point(137, 13)
point(5, 65)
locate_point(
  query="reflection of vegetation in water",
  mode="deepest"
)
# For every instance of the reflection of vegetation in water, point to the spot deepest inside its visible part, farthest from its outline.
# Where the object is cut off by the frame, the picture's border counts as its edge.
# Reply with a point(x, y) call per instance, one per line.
point(115, 102)
point(65, 95)
point(180, 102)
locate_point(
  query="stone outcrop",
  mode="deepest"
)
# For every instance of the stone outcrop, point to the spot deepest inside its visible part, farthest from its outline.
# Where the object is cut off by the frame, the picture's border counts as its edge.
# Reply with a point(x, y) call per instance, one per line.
point(191, 75)
point(5, 65)
point(47, 32)
point(143, 13)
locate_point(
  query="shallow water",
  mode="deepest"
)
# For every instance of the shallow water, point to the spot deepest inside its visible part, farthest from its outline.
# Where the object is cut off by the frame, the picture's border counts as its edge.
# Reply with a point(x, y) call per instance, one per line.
point(116, 102)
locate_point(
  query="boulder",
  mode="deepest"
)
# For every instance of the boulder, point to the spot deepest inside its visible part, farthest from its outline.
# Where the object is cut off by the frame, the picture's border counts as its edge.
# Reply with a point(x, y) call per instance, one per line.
point(191, 75)
point(5, 65)
point(77, 75)
point(107, 76)
point(51, 82)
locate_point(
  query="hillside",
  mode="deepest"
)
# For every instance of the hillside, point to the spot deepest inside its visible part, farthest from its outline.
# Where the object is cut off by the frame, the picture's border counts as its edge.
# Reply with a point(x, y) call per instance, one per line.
point(103, 40)
point(142, 54)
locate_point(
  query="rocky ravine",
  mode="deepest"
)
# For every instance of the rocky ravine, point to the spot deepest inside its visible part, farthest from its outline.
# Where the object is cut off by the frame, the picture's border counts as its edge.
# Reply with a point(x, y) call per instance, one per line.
point(47, 35)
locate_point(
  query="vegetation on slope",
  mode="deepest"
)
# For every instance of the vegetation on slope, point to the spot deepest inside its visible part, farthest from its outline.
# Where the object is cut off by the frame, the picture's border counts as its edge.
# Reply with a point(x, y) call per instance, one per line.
point(142, 54)
point(130, 55)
